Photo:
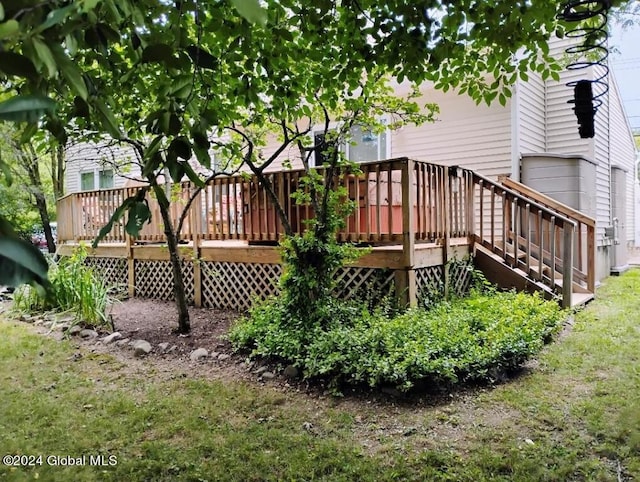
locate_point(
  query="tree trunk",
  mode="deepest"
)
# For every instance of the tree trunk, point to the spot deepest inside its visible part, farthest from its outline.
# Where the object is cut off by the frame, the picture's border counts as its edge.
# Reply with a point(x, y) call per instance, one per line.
point(184, 325)
point(57, 171)
point(41, 204)
point(32, 167)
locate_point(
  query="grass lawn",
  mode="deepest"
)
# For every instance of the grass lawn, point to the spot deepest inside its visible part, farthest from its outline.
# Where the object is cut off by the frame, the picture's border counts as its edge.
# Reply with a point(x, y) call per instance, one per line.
point(574, 416)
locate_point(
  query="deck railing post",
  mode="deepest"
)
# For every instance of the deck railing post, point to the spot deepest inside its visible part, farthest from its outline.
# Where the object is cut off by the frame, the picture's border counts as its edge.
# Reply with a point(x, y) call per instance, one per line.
point(407, 284)
point(131, 267)
point(446, 185)
point(196, 236)
point(591, 259)
point(567, 265)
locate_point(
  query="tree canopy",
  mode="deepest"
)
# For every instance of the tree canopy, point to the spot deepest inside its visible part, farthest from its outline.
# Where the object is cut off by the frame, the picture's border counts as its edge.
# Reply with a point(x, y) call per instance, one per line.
point(166, 75)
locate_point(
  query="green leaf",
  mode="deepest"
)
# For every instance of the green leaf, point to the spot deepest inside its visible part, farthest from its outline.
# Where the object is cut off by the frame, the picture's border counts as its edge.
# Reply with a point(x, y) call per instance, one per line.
point(202, 58)
point(107, 119)
point(193, 176)
point(251, 11)
point(70, 72)
point(6, 170)
point(176, 168)
point(1, 12)
point(12, 63)
point(54, 18)
point(138, 215)
point(157, 53)
point(203, 156)
point(117, 214)
point(153, 147)
point(9, 29)
point(26, 108)
point(45, 55)
point(20, 261)
point(89, 5)
point(182, 147)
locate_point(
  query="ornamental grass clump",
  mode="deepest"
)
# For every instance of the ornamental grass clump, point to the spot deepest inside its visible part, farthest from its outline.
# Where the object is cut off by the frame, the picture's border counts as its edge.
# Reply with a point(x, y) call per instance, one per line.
point(75, 287)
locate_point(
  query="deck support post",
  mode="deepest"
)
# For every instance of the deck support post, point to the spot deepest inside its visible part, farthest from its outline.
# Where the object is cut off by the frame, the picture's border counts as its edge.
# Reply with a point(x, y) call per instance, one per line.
point(196, 230)
point(131, 273)
point(406, 287)
point(406, 278)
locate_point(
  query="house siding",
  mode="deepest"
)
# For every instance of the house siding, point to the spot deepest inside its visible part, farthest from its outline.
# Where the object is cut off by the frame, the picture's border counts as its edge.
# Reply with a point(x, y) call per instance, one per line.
point(86, 156)
point(465, 134)
point(531, 115)
point(622, 151)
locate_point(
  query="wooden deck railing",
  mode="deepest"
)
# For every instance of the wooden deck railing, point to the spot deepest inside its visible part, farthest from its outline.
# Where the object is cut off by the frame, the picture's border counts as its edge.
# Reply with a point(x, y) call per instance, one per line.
point(237, 207)
point(398, 201)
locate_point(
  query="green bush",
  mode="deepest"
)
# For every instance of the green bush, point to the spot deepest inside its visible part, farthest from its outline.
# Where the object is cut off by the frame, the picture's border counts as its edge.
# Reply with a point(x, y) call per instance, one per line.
point(75, 287)
point(466, 339)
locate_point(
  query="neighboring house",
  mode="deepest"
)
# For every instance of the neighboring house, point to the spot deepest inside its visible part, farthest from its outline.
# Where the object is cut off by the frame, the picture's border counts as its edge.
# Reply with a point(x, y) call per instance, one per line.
point(92, 166)
point(533, 139)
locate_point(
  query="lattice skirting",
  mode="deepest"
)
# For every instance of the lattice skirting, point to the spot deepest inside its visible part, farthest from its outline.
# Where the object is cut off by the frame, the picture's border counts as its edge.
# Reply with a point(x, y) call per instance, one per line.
point(154, 279)
point(430, 281)
point(114, 271)
point(235, 285)
point(368, 284)
point(461, 276)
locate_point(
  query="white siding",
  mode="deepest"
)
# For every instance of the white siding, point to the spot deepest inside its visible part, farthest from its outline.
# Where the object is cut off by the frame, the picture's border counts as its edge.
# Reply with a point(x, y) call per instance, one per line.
point(465, 134)
point(531, 115)
point(83, 157)
point(622, 150)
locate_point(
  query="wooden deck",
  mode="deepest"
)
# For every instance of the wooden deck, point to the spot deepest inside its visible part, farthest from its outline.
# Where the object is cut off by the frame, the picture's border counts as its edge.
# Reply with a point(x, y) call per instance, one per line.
point(414, 215)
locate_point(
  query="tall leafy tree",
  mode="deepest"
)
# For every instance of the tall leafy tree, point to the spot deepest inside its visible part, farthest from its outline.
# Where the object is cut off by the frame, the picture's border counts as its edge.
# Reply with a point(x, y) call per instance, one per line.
point(163, 76)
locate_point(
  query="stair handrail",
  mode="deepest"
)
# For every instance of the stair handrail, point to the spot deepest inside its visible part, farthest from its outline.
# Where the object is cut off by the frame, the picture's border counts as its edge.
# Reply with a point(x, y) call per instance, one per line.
point(568, 226)
point(548, 201)
point(532, 202)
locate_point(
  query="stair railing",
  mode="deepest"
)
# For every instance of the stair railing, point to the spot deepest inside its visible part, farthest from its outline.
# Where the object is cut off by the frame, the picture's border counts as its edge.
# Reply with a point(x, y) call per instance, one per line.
point(527, 235)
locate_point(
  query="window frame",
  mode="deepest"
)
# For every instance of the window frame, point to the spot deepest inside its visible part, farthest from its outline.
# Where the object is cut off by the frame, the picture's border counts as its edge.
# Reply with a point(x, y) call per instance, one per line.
point(345, 147)
point(96, 178)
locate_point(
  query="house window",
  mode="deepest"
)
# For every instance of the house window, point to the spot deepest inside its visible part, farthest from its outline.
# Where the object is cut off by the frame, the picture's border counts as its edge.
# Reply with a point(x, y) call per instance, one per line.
point(103, 178)
point(365, 145)
point(87, 181)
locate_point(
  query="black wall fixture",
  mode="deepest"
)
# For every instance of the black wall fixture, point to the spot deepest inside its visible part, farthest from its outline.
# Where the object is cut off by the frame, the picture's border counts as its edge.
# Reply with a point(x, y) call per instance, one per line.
point(591, 15)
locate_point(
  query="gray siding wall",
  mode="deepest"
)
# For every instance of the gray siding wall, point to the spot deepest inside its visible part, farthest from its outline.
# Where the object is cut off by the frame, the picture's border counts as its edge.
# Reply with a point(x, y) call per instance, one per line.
point(83, 157)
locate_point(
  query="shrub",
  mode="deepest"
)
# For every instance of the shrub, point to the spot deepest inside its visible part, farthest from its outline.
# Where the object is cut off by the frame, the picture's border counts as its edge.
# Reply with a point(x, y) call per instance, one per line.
point(466, 339)
point(75, 287)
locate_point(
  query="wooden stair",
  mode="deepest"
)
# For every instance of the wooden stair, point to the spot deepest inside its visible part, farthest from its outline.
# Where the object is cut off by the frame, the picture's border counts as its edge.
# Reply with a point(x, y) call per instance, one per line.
point(503, 274)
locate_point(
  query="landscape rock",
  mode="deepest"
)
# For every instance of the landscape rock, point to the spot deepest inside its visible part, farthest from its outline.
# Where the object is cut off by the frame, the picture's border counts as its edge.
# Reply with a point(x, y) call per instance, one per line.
point(74, 330)
point(261, 370)
point(122, 342)
point(199, 354)
point(172, 349)
point(214, 354)
point(291, 372)
point(64, 319)
point(115, 336)
point(268, 375)
point(223, 356)
point(163, 347)
point(62, 326)
point(87, 333)
point(141, 348)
